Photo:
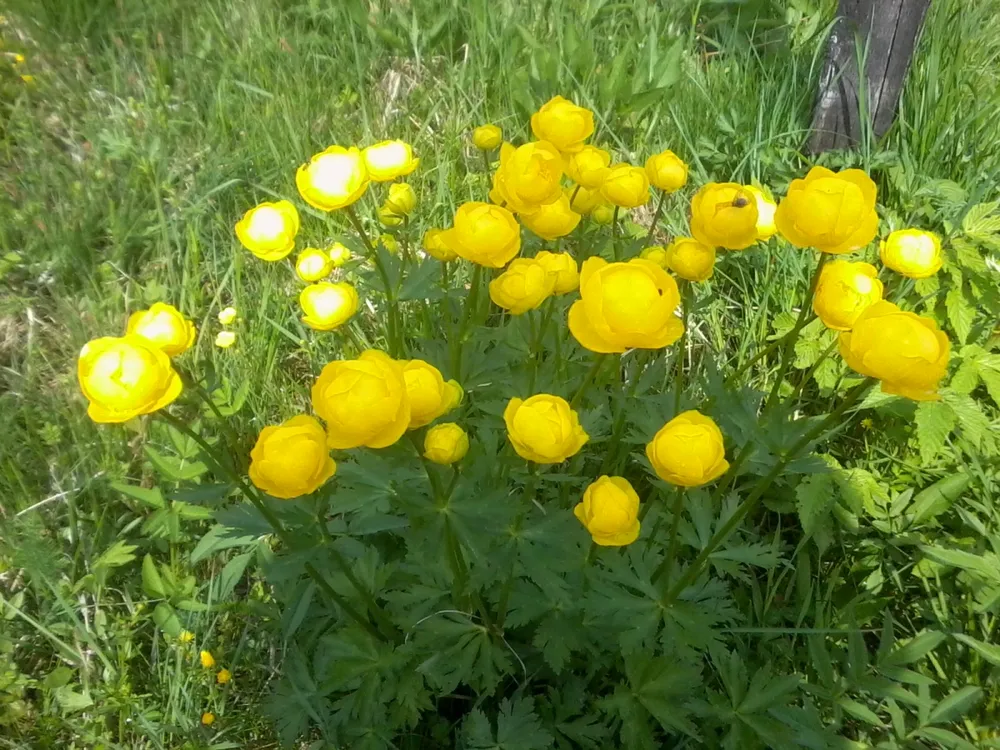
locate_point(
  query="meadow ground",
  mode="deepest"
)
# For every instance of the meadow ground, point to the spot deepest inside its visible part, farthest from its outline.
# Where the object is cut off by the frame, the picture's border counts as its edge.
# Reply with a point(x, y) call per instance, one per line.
point(146, 129)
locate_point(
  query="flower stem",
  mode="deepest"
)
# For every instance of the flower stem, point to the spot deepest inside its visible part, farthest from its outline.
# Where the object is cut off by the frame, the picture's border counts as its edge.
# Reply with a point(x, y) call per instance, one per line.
point(656, 215)
point(804, 380)
point(529, 494)
point(392, 325)
point(589, 378)
point(614, 234)
point(471, 302)
point(685, 288)
point(667, 564)
point(720, 536)
point(789, 341)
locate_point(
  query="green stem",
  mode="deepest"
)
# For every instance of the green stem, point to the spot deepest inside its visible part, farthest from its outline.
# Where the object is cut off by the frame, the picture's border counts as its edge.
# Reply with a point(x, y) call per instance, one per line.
point(471, 302)
point(667, 565)
point(720, 536)
point(793, 335)
point(804, 380)
point(589, 378)
point(614, 234)
point(392, 324)
point(685, 288)
point(487, 162)
point(656, 215)
point(275, 523)
point(529, 494)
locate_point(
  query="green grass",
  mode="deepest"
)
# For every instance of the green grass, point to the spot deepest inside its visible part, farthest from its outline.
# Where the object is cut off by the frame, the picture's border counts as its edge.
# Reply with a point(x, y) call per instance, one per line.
point(153, 126)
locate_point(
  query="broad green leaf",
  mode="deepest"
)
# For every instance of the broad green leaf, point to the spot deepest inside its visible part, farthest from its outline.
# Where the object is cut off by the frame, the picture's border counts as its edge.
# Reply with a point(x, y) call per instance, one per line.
point(860, 711)
point(935, 420)
point(960, 312)
point(57, 678)
point(987, 650)
point(231, 574)
point(914, 649)
point(116, 555)
point(150, 496)
point(979, 219)
point(987, 569)
point(936, 499)
point(219, 538)
point(956, 704)
point(152, 583)
point(70, 700)
point(166, 619)
point(175, 469)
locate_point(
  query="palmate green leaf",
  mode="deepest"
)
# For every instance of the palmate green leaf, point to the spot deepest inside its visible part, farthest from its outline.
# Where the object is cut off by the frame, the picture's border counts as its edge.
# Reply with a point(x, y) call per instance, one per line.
point(664, 688)
point(517, 728)
point(815, 497)
point(462, 651)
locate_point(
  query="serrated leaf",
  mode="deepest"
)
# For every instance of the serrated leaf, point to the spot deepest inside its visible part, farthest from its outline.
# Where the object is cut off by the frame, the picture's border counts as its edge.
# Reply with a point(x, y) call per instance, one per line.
point(518, 728)
point(176, 469)
point(960, 312)
point(966, 377)
point(986, 650)
point(814, 499)
point(152, 583)
point(232, 573)
point(980, 218)
point(987, 569)
point(973, 424)
point(860, 711)
point(934, 420)
point(116, 555)
point(956, 704)
point(914, 649)
point(150, 496)
point(991, 379)
point(936, 499)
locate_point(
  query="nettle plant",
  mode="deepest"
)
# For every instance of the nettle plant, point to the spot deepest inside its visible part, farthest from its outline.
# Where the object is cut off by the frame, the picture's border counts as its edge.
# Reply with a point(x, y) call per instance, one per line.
point(516, 519)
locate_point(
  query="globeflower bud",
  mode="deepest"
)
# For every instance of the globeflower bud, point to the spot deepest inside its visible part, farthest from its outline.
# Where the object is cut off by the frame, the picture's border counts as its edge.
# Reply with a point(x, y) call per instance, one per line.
point(543, 429)
point(446, 443)
point(610, 512)
point(688, 451)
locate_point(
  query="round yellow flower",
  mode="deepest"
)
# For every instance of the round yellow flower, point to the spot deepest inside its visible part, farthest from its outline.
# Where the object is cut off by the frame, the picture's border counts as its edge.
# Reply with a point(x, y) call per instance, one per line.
point(224, 676)
point(610, 512)
point(625, 186)
point(563, 265)
point(430, 396)
point(582, 200)
point(333, 179)
point(268, 230)
point(688, 451)
point(625, 306)
point(544, 429)
point(908, 353)
point(446, 443)
point(227, 315)
point(666, 171)
point(552, 220)
point(690, 259)
point(844, 290)
point(656, 254)
point(208, 718)
point(390, 159)
point(487, 137)
point(125, 377)
point(529, 176)
point(912, 252)
point(401, 199)
point(766, 209)
point(328, 306)
point(833, 212)
point(207, 660)
point(164, 327)
point(563, 123)
point(291, 459)
point(338, 254)
point(485, 234)
point(724, 215)
point(525, 285)
point(312, 264)
point(388, 218)
point(363, 401)
point(225, 339)
point(602, 214)
point(434, 245)
point(588, 167)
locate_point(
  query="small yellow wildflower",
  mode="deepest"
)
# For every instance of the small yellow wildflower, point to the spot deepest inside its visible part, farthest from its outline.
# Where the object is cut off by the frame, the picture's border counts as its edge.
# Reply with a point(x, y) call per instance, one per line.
point(225, 339)
point(207, 718)
point(867, 423)
point(186, 636)
point(30, 80)
point(207, 660)
point(223, 676)
point(227, 315)
point(390, 243)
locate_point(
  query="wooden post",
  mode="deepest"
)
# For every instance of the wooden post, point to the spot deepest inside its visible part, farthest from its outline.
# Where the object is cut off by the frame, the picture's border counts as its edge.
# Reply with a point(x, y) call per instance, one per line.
point(882, 34)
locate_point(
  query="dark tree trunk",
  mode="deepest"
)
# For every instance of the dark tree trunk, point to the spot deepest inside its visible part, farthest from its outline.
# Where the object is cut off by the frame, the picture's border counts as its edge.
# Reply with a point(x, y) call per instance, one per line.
point(882, 33)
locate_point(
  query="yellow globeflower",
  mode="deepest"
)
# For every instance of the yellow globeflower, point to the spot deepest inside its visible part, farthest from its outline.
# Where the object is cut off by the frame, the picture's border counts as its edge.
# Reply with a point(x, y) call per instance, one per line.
point(333, 179)
point(553, 220)
point(602, 214)
point(291, 459)
point(582, 200)
point(227, 315)
point(446, 443)
point(766, 209)
point(207, 660)
point(724, 215)
point(625, 306)
point(328, 306)
point(666, 171)
point(690, 259)
point(657, 254)
point(563, 265)
point(610, 512)
point(688, 451)
point(528, 177)
point(225, 339)
point(487, 137)
point(434, 245)
point(390, 159)
point(312, 264)
point(164, 327)
point(625, 186)
point(224, 676)
point(588, 167)
point(912, 252)
point(401, 199)
point(484, 234)
point(363, 401)
point(125, 377)
point(268, 230)
point(908, 353)
point(525, 285)
point(544, 429)
point(563, 123)
point(844, 290)
point(338, 254)
point(430, 395)
point(833, 212)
